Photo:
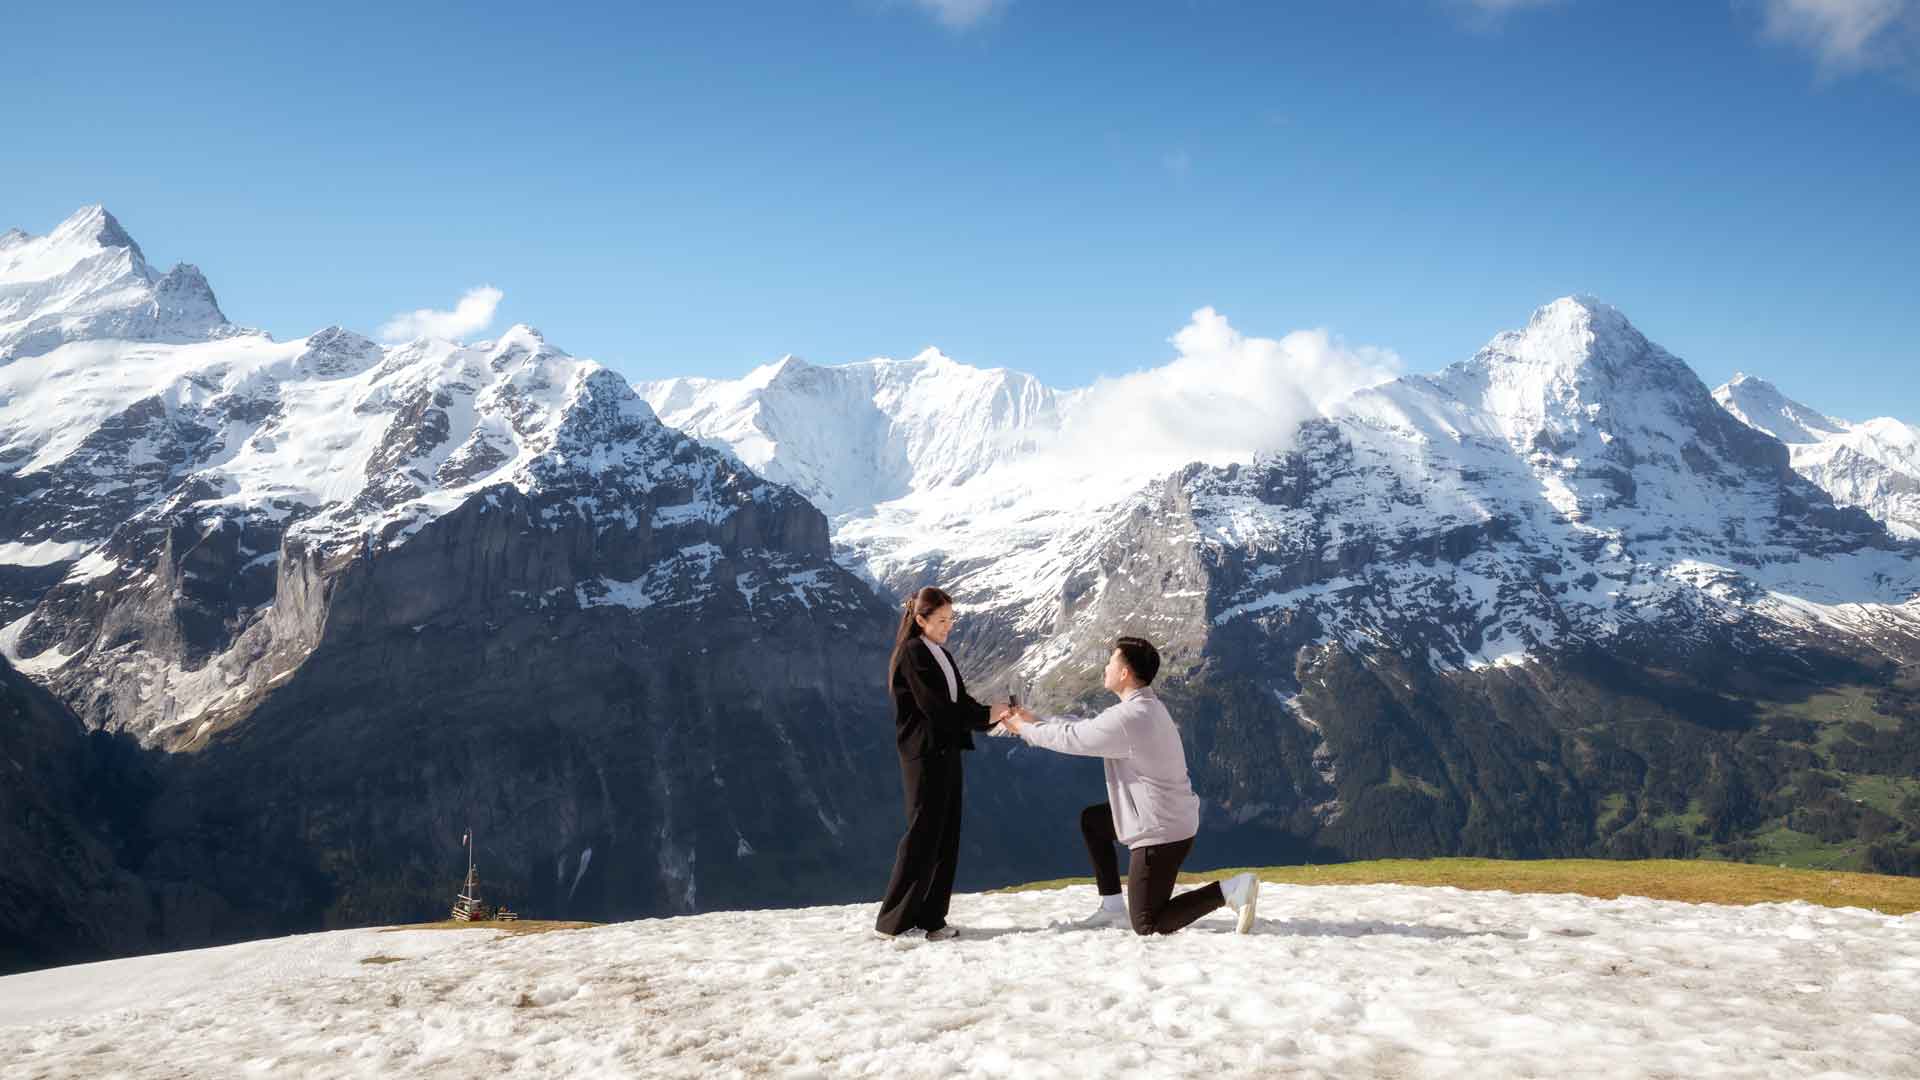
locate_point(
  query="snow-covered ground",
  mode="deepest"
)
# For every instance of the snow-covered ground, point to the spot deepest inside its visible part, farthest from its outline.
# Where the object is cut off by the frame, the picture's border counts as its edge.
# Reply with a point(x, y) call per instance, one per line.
point(1335, 981)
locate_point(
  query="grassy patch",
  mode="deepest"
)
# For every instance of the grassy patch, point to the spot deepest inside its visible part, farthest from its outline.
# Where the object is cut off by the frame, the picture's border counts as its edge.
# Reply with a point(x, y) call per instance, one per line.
point(515, 927)
point(1839, 705)
point(1782, 846)
point(1833, 710)
point(1796, 850)
point(1692, 881)
point(1398, 779)
point(381, 959)
point(1686, 824)
point(1611, 809)
point(1883, 793)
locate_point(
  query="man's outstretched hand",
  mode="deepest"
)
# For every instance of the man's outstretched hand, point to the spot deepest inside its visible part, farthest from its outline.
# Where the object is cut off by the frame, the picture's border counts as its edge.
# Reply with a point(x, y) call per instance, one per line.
point(1013, 717)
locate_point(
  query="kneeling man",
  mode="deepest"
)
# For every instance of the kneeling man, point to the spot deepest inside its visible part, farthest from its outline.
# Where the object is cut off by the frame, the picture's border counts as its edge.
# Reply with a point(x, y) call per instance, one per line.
point(1151, 807)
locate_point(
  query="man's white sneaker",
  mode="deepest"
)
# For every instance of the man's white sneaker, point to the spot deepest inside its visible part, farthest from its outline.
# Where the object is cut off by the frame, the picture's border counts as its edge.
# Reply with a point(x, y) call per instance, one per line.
point(1243, 896)
point(945, 933)
point(1102, 919)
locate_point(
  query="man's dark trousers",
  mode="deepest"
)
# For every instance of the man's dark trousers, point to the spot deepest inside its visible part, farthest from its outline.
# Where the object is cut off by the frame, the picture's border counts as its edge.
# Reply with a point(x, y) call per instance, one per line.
point(923, 866)
point(1151, 871)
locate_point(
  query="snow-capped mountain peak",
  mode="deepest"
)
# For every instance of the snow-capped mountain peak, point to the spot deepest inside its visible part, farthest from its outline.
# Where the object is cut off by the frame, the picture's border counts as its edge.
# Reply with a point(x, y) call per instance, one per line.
point(329, 448)
point(766, 375)
point(88, 280)
point(1578, 382)
point(1575, 434)
point(82, 242)
point(1573, 343)
point(852, 436)
point(96, 226)
point(1874, 465)
point(931, 356)
point(519, 336)
point(1575, 317)
point(337, 352)
point(1760, 405)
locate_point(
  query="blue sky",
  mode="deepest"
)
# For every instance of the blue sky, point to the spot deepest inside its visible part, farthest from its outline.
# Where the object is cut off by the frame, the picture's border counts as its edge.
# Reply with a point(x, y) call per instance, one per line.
point(696, 189)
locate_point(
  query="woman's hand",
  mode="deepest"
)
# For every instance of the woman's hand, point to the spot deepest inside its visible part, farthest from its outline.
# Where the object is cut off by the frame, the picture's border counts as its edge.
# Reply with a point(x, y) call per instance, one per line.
point(1014, 717)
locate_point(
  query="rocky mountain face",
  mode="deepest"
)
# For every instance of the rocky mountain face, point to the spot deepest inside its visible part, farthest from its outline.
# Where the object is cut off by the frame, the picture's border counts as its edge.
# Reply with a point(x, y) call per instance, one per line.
point(70, 810)
point(1538, 603)
point(353, 599)
point(1541, 603)
point(1874, 465)
point(313, 455)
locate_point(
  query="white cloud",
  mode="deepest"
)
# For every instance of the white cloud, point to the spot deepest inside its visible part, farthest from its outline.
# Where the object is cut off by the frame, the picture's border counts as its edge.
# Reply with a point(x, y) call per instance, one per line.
point(960, 14)
point(1223, 398)
point(1846, 36)
point(472, 314)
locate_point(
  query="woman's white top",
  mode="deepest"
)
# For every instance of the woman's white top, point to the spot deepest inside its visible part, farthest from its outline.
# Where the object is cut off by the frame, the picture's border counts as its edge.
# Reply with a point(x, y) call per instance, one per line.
point(940, 655)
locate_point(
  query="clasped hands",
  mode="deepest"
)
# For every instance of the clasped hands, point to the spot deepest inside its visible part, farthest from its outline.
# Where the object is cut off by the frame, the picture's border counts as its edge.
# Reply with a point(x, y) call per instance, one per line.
point(1013, 717)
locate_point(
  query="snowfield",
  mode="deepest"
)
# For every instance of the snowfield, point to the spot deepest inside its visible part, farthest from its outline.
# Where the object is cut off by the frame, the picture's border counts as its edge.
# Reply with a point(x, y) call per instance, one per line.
point(1334, 982)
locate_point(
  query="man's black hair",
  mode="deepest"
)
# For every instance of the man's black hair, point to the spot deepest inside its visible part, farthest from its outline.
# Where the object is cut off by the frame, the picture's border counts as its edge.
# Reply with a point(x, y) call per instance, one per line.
point(1141, 657)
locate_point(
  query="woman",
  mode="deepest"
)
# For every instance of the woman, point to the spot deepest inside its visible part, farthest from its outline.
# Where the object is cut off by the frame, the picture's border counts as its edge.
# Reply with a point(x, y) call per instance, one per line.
point(934, 719)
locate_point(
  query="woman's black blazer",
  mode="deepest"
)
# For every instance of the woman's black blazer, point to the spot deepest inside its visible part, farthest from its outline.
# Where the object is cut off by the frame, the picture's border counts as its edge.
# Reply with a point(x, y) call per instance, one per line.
point(924, 718)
